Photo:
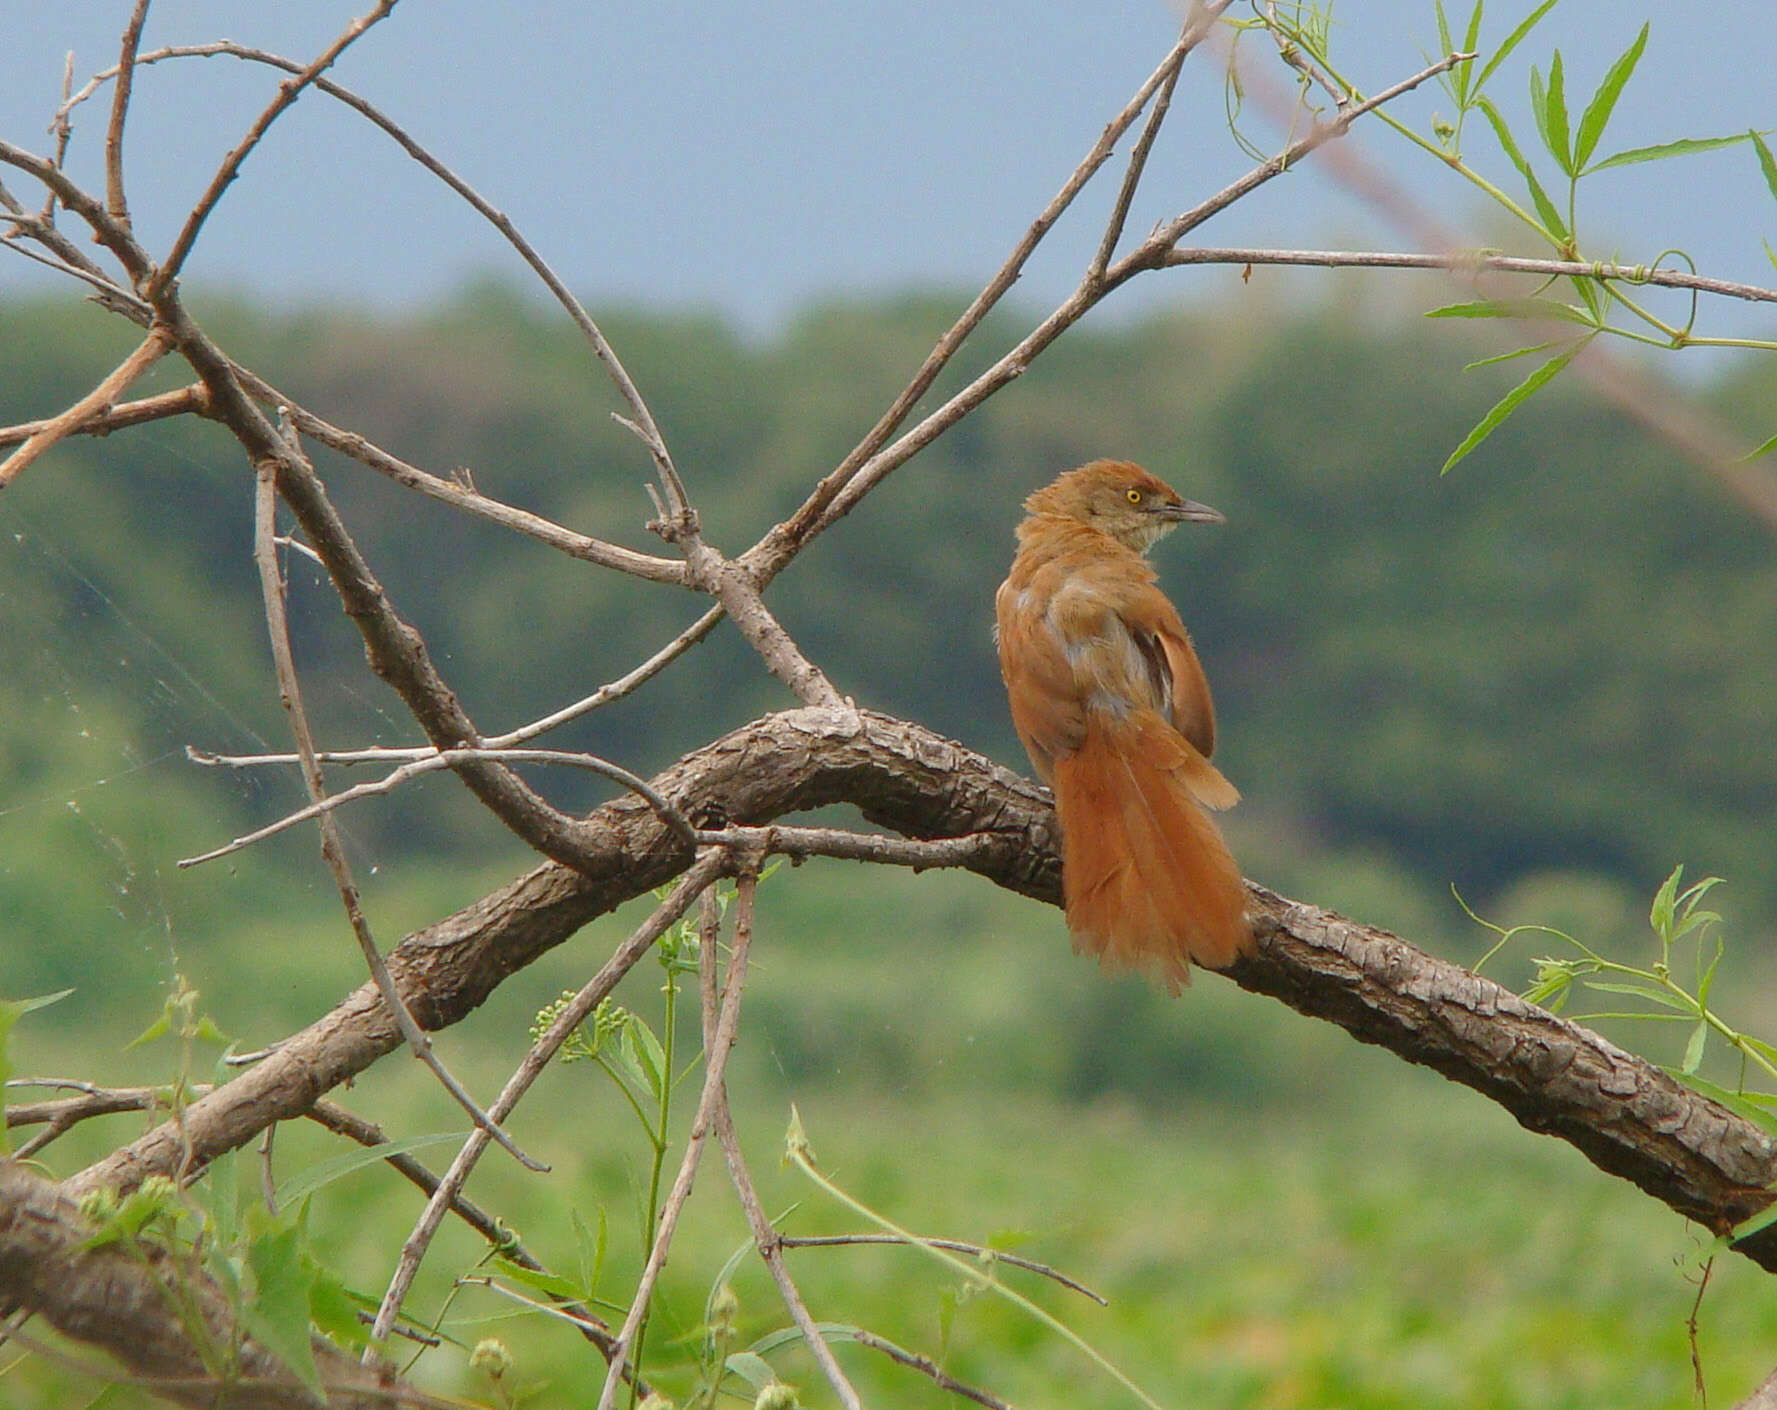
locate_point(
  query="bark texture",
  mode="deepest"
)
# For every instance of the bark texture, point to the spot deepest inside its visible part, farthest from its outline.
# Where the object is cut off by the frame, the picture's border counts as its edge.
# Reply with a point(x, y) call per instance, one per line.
point(1555, 1076)
point(134, 1304)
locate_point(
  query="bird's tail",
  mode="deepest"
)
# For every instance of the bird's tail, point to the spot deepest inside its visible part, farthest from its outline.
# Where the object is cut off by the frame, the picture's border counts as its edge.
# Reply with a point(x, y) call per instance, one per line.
point(1148, 880)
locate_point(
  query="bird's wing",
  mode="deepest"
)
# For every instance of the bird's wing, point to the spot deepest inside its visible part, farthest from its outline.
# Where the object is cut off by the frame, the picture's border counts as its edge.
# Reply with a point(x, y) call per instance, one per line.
point(1181, 688)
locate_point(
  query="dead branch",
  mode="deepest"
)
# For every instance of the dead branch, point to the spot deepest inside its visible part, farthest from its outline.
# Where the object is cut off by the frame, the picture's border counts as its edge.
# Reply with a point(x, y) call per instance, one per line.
point(107, 418)
point(271, 582)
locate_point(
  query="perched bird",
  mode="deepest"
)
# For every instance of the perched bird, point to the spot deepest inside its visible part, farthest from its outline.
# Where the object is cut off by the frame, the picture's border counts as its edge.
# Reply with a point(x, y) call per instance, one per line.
point(1114, 709)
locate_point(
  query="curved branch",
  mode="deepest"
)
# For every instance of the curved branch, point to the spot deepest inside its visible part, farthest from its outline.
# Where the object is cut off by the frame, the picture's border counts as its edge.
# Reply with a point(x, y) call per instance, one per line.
point(1626, 1115)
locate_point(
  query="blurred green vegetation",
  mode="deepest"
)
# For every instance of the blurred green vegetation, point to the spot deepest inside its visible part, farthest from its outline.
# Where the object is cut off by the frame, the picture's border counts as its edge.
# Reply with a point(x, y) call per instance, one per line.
point(1544, 679)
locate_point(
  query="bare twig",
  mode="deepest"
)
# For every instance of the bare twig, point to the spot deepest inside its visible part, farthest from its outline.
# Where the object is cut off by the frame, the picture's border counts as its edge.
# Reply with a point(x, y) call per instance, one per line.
point(168, 269)
point(187, 400)
point(1474, 261)
point(425, 761)
point(928, 1368)
point(703, 871)
point(62, 1114)
point(640, 419)
point(768, 557)
point(1138, 163)
point(615, 690)
point(90, 407)
point(499, 1236)
point(1692, 1332)
point(289, 689)
point(458, 496)
point(115, 204)
point(108, 232)
point(765, 1239)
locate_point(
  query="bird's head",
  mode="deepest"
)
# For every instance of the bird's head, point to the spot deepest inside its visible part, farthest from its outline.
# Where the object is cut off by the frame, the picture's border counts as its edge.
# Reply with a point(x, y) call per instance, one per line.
point(1121, 500)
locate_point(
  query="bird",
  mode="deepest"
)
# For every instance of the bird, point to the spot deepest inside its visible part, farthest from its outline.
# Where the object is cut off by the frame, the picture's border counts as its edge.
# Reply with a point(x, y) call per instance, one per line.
point(1112, 705)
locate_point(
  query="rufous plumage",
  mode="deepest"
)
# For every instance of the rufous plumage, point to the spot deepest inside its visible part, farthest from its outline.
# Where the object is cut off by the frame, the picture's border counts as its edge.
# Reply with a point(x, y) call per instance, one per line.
point(1113, 707)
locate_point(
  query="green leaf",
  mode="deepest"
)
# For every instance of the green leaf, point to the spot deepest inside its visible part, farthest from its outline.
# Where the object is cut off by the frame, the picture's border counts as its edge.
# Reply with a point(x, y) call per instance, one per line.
point(1515, 308)
point(1512, 40)
point(1445, 44)
point(279, 1315)
point(1693, 1050)
point(591, 1245)
point(334, 1308)
point(543, 1281)
point(1554, 114)
point(1545, 208)
point(644, 1049)
point(1510, 402)
point(1684, 147)
point(1665, 903)
point(1473, 35)
point(790, 1336)
point(1766, 162)
point(753, 1369)
point(1652, 993)
point(300, 1186)
point(1598, 111)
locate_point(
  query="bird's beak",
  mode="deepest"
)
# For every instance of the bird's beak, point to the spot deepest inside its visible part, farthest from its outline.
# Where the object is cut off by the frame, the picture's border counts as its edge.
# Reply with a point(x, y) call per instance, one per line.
point(1188, 511)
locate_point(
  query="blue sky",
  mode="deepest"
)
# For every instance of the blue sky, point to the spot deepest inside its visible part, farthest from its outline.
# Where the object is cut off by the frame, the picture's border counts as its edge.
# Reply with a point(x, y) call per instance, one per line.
point(752, 157)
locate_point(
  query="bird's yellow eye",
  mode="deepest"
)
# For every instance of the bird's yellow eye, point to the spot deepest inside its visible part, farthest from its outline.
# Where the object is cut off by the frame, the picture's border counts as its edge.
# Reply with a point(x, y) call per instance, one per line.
point(1133, 496)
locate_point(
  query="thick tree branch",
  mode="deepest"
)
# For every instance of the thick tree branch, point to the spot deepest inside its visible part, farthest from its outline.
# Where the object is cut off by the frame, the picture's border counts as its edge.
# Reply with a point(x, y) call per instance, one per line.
point(117, 1299)
point(1624, 1113)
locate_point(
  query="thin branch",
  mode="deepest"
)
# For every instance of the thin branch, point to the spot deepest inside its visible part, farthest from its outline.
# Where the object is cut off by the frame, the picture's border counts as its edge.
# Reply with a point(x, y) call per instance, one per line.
point(798, 843)
point(641, 419)
point(1138, 164)
point(108, 232)
point(499, 1236)
point(94, 404)
point(63, 1114)
point(721, 1023)
point(768, 557)
point(288, 92)
point(469, 500)
point(979, 1251)
point(1151, 252)
point(115, 204)
point(290, 692)
point(427, 761)
point(703, 871)
point(928, 1368)
point(1474, 261)
point(765, 1240)
point(396, 652)
point(604, 695)
point(186, 400)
